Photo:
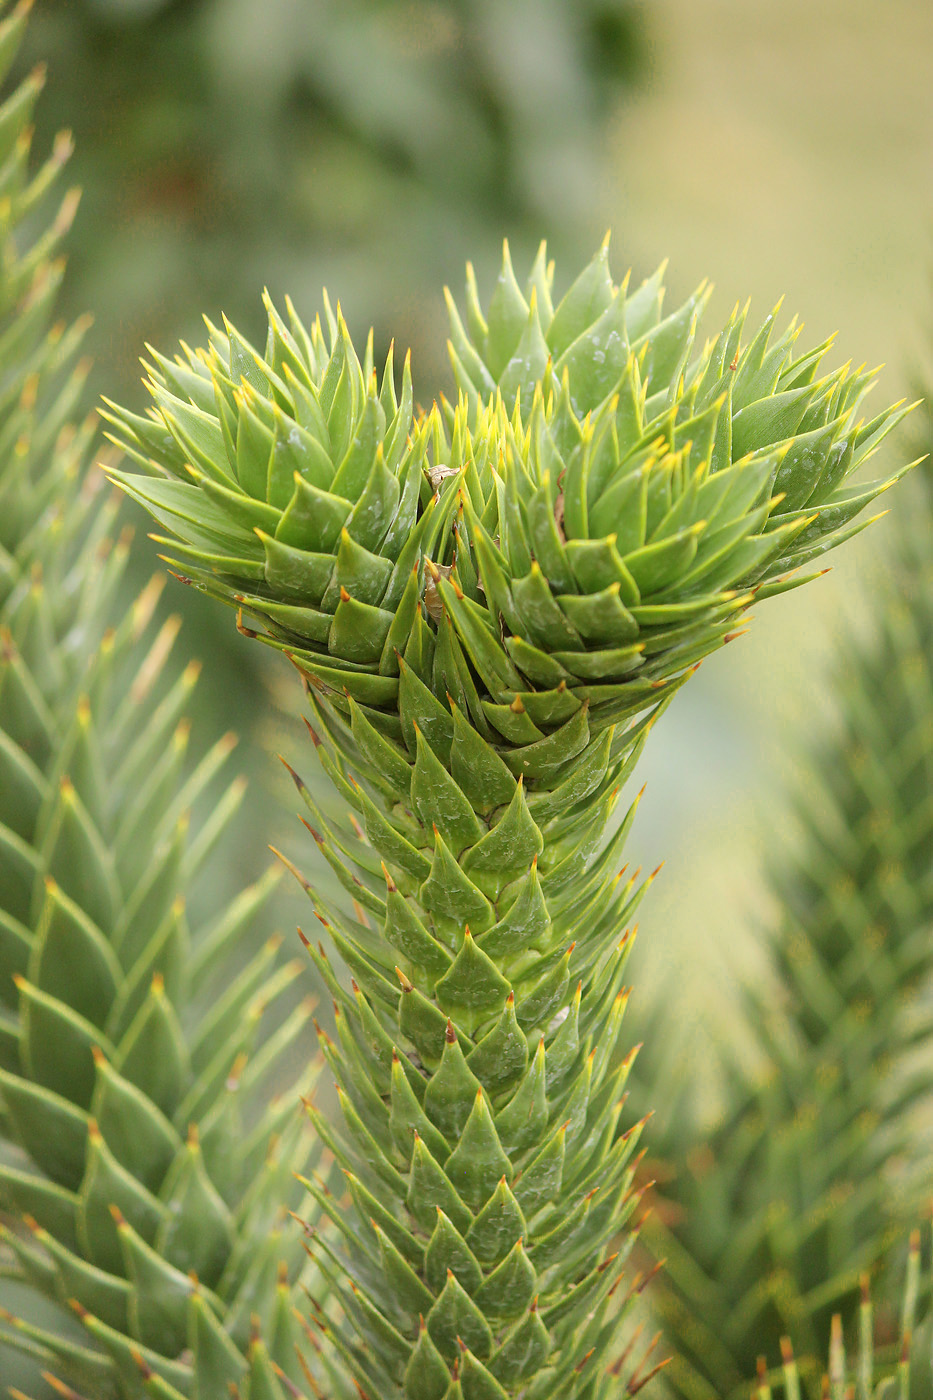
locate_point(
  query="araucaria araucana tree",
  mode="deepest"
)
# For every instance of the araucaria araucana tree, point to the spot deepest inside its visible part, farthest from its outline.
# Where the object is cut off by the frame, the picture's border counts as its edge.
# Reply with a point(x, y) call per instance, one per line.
point(489, 605)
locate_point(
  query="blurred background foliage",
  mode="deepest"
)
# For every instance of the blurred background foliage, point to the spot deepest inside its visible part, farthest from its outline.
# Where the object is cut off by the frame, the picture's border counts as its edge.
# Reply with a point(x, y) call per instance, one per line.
point(372, 145)
point(368, 145)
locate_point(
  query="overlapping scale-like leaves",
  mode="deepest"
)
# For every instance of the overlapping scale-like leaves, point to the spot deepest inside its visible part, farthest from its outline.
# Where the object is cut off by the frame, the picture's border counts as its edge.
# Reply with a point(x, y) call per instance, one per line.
point(146, 1156)
point(487, 625)
point(479, 1058)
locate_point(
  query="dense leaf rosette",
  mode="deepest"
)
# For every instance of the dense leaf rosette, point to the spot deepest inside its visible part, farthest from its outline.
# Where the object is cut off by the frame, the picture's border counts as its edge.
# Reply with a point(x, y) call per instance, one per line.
point(591, 519)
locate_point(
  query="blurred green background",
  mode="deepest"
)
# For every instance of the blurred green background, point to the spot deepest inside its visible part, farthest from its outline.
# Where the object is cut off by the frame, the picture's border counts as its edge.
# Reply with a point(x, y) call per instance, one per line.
point(372, 145)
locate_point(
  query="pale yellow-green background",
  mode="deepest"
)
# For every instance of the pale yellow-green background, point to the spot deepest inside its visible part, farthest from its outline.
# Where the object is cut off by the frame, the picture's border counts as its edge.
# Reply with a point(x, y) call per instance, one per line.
point(779, 148)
